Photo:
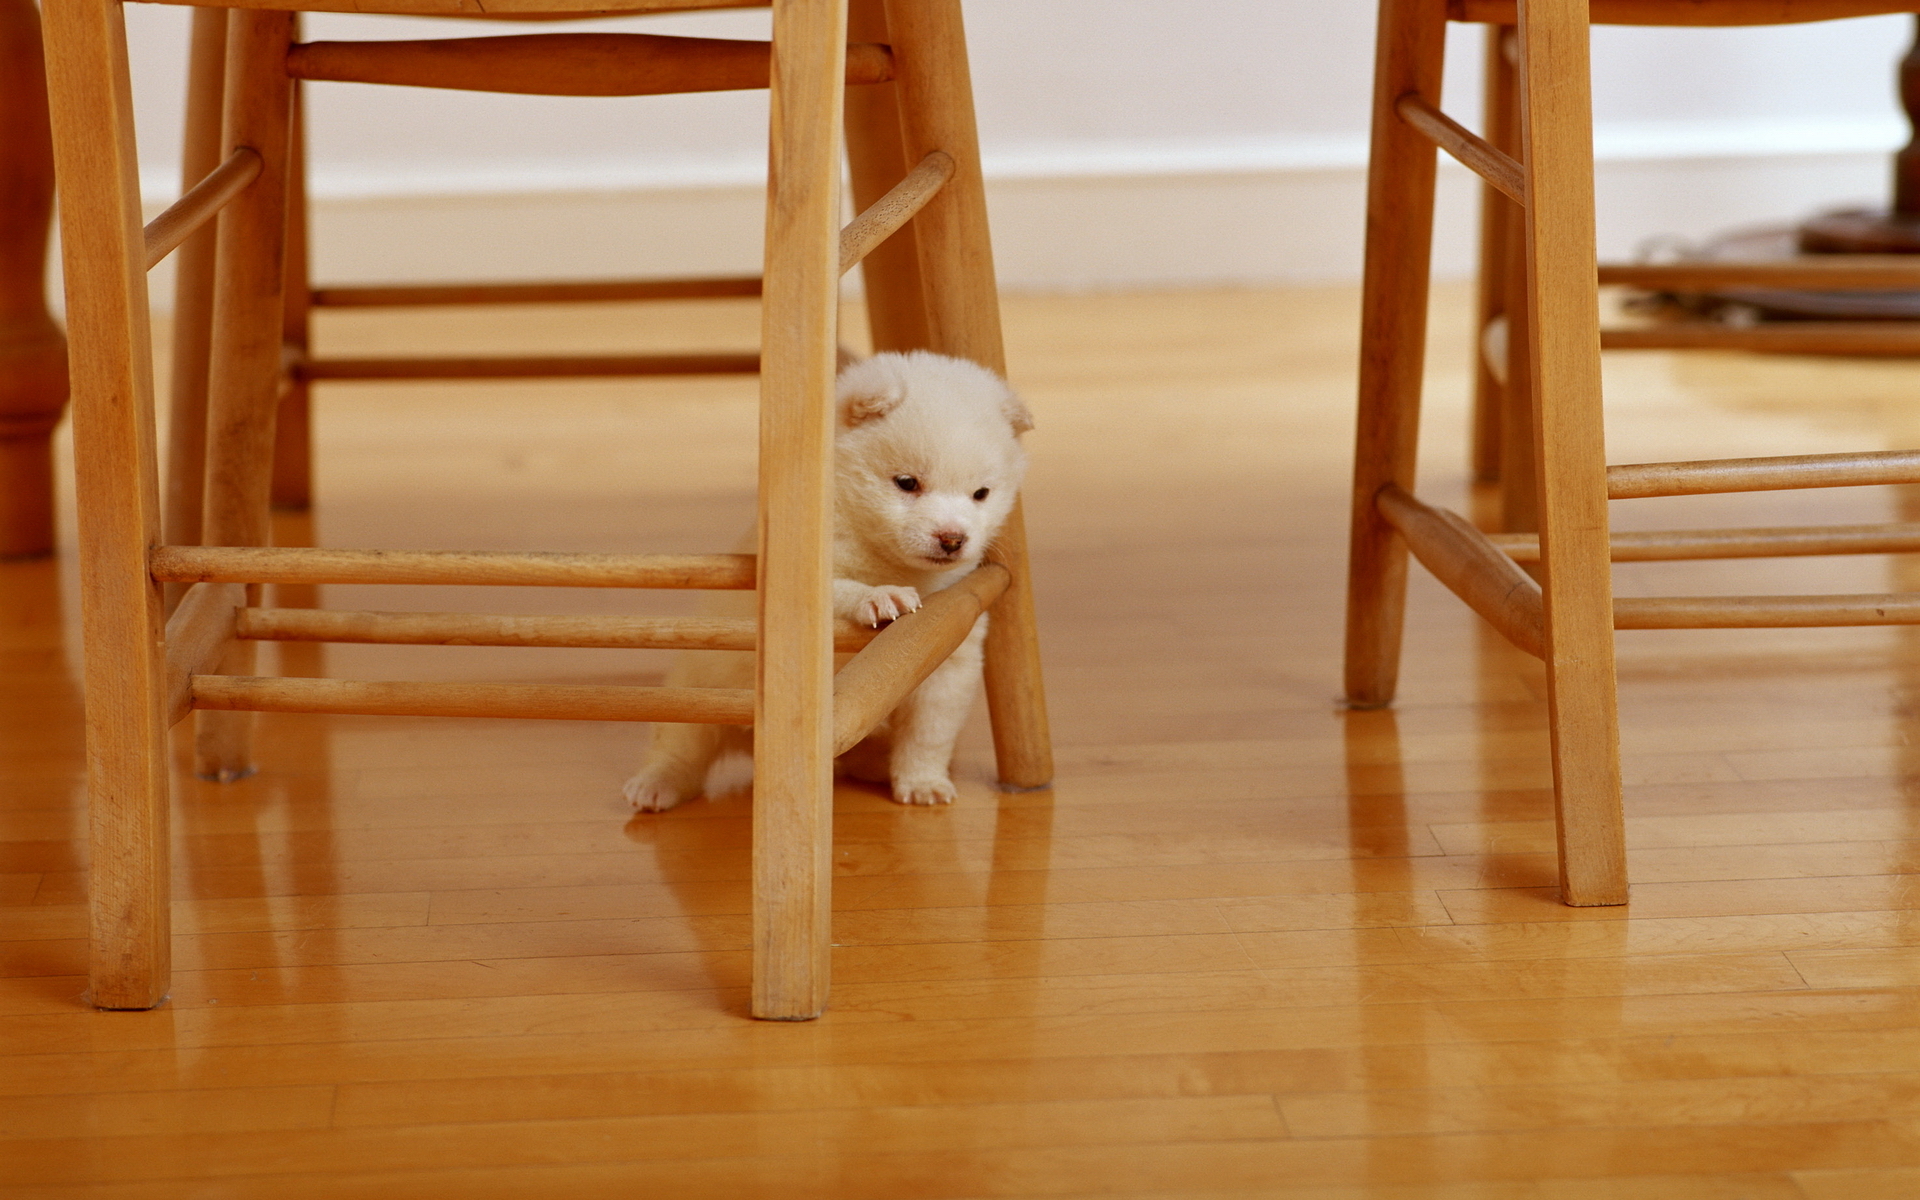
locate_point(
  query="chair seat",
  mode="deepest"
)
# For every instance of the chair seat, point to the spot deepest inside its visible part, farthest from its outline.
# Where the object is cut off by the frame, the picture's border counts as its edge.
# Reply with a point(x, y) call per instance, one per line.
point(496, 9)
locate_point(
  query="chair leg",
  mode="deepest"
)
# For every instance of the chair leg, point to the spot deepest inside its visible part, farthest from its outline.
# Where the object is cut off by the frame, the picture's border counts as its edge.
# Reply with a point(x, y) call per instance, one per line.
point(193, 293)
point(1400, 182)
point(1556, 130)
point(244, 376)
point(963, 319)
point(896, 307)
point(1496, 215)
point(1519, 473)
point(793, 704)
point(120, 502)
point(293, 426)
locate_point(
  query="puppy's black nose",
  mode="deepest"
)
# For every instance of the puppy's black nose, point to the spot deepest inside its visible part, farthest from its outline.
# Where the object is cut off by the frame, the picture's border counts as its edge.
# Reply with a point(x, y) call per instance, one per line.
point(950, 542)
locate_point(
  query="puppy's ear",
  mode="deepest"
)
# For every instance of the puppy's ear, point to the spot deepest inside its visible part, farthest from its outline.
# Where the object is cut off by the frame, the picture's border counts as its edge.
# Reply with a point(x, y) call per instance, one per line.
point(1015, 410)
point(867, 392)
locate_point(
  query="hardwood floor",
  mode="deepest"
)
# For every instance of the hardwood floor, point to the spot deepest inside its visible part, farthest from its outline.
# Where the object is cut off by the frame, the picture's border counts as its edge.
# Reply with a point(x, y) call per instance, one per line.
point(1250, 945)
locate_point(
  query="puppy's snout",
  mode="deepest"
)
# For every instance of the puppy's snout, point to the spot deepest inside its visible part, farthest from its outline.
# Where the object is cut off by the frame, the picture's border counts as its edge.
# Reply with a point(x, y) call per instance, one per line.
point(951, 541)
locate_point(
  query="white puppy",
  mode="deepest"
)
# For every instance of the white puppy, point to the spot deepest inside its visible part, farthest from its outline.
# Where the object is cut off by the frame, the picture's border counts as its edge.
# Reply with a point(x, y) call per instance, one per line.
point(927, 462)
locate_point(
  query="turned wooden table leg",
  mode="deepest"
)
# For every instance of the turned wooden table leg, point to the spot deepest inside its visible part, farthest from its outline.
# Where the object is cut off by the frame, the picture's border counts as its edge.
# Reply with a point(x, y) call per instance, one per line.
point(1894, 230)
point(33, 354)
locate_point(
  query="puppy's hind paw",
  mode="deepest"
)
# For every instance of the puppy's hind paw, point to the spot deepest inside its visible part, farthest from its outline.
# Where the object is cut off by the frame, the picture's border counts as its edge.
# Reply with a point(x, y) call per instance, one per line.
point(647, 794)
point(883, 604)
point(923, 791)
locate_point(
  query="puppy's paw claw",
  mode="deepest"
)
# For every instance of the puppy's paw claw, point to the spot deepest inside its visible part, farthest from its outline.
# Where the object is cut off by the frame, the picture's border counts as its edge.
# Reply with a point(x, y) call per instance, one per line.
point(883, 604)
point(649, 795)
point(923, 791)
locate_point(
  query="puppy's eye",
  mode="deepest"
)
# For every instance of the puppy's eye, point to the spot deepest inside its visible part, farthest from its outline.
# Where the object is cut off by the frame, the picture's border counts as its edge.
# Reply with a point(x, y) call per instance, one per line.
point(981, 494)
point(906, 483)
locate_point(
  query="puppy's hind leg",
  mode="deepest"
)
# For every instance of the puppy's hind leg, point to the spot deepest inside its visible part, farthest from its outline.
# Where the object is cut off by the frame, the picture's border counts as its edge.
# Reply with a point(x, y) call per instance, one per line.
point(676, 765)
point(927, 724)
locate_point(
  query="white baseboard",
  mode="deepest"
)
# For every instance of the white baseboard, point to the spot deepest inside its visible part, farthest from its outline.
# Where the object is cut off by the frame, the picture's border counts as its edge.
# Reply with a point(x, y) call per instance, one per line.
point(1119, 218)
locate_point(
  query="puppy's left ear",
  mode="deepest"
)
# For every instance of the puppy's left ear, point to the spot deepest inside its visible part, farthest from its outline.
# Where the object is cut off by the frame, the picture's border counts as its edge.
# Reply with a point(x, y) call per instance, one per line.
point(868, 391)
point(1016, 412)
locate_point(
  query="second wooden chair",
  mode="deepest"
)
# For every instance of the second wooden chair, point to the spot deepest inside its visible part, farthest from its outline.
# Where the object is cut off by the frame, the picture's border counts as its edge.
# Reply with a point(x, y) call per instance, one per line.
point(1542, 162)
point(145, 672)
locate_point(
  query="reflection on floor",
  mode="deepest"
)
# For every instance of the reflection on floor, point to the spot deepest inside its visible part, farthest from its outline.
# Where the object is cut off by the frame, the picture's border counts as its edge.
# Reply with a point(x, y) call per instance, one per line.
point(1250, 945)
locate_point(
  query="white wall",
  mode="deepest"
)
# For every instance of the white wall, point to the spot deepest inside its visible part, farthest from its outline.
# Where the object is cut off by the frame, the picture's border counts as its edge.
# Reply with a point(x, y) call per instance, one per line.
point(1130, 142)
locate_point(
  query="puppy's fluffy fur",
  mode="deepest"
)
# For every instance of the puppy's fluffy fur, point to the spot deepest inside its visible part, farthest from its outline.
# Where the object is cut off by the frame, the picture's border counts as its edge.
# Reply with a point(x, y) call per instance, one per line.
point(927, 462)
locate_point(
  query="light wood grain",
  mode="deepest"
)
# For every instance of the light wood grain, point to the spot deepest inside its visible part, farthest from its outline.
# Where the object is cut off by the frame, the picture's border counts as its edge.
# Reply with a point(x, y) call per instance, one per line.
point(962, 318)
point(792, 813)
point(1461, 557)
point(292, 486)
point(1556, 136)
point(201, 152)
point(875, 682)
point(1880, 338)
point(127, 755)
point(476, 629)
point(896, 307)
point(201, 203)
point(198, 636)
point(540, 367)
point(245, 364)
point(1764, 612)
point(1671, 545)
point(564, 64)
point(300, 564)
point(1474, 152)
point(1495, 270)
point(1400, 180)
point(397, 295)
point(565, 702)
point(1852, 272)
point(885, 216)
point(1762, 474)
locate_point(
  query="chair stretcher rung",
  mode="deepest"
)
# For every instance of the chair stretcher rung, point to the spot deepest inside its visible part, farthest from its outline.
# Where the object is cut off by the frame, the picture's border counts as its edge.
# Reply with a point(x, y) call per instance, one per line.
point(559, 702)
point(565, 64)
point(300, 564)
point(1812, 272)
point(546, 292)
point(202, 202)
point(1471, 566)
point(1710, 476)
point(1764, 612)
point(1888, 338)
point(886, 215)
point(1473, 151)
point(481, 629)
point(1673, 545)
point(544, 367)
point(878, 678)
point(198, 635)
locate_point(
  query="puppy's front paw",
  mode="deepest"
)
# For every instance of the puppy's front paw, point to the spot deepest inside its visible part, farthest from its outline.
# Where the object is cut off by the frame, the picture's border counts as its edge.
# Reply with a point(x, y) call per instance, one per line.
point(648, 794)
point(933, 789)
point(883, 604)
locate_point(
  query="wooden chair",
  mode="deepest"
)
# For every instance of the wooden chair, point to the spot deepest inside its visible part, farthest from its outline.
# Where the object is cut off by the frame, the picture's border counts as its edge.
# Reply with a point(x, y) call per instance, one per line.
point(1539, 158)
point(144, 674)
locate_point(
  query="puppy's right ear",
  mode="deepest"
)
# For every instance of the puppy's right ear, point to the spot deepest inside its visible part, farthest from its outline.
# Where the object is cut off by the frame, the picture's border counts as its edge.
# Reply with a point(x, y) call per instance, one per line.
point(868, 391)
point(1017, 413)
